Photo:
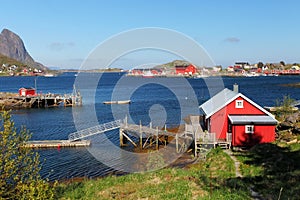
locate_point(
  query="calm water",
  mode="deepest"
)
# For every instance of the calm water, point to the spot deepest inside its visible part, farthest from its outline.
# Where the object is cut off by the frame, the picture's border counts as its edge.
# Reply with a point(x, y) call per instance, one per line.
point(159, 100)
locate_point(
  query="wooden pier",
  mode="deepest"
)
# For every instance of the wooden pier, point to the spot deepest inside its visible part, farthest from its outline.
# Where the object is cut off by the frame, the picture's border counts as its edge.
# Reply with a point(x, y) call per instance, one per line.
point(150, 137)
point(17, 101)
point(144, 137)
point(57, 143)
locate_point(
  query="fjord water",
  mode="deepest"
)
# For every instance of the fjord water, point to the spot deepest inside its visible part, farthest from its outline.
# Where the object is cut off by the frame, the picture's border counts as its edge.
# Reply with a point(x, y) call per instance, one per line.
point(148, 98)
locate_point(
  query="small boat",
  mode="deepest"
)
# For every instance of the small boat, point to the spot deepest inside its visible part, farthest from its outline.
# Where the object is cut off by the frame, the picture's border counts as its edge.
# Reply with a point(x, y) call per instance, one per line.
point(49, 75)
point(117, 102)
point(201, 76)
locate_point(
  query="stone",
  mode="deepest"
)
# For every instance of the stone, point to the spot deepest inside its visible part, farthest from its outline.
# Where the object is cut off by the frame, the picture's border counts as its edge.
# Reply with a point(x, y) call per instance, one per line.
point(293, 118)
point(285, 125)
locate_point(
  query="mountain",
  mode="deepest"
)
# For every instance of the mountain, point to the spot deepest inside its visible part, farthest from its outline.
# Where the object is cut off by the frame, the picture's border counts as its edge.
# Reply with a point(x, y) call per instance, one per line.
point(12, 46)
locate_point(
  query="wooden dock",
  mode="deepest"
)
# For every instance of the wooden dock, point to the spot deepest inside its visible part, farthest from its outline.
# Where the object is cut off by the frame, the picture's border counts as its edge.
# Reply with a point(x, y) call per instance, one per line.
point(17, 101)
point(57, 143)
point(144, 137)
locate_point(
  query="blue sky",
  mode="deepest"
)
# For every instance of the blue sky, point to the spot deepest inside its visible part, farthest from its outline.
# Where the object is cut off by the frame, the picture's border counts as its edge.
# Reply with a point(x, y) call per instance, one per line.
point(63, 32)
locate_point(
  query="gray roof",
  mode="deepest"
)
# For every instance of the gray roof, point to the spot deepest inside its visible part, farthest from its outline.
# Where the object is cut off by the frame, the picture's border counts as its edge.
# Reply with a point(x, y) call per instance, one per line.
point(218, 101)
point(223, 98)
point(251, 119)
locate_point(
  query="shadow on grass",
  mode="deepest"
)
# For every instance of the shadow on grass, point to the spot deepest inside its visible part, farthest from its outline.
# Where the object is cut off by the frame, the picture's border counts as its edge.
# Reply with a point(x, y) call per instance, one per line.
point(273, 171)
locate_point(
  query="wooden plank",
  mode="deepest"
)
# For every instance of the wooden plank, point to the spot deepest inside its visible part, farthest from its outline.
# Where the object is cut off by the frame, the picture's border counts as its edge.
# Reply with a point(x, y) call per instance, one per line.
point(56, 143)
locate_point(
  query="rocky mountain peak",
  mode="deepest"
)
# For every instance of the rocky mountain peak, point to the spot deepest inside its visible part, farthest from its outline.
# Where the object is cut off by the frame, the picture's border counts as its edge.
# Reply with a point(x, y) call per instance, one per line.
point(12, 46)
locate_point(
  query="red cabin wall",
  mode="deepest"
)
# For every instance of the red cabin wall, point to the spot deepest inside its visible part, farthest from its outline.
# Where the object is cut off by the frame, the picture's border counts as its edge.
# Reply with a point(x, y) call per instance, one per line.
point(191, 69)
point(219, 120)
point(28, 92)
point(180, 70)
point(262, 134)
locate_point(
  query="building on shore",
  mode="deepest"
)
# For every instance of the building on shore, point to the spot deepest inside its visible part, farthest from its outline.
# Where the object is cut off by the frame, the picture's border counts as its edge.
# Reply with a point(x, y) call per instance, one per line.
point(234, 117)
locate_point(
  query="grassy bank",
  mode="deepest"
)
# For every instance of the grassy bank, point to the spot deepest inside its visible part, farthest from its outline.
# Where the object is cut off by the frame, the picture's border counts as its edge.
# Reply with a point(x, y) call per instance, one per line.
point(271, 170)
point(213, 179)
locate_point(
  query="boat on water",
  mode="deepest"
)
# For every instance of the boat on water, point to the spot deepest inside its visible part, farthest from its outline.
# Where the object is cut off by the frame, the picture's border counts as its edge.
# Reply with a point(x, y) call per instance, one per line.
point(49, 75)
point(201, 76)
point(117, 102)
point(251, 74)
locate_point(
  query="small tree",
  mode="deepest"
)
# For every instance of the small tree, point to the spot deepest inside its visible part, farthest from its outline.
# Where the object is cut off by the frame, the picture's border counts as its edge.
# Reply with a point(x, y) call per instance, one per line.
point(260, 64)
point(19, 166)
point(282, 63)
point(284, 107)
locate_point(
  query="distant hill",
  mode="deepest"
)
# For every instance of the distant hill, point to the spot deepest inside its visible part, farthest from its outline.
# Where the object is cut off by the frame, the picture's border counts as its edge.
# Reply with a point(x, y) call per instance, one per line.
point(12, 46)
point(173, 64)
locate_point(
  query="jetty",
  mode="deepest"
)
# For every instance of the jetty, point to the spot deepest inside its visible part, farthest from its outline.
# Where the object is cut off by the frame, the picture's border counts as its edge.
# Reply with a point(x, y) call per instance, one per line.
point(152, 137)
point(144, 137)
point(28, 98)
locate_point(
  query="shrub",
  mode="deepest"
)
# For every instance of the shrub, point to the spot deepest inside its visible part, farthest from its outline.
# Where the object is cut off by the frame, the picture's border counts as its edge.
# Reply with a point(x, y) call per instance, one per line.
point(19, 166)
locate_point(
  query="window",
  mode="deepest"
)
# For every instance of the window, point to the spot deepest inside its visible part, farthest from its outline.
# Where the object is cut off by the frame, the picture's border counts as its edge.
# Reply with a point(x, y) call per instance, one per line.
point(239, 104)
point(249, 129)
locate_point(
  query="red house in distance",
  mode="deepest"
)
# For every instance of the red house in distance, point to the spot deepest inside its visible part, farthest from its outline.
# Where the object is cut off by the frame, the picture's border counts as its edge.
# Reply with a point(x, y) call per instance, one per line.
point(186, 70)
point(234, 117)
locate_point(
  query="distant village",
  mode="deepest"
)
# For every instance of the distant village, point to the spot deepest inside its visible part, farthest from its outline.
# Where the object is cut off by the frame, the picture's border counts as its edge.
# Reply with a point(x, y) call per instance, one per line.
point(238, 69)
point(175, 69)
point(15, 70)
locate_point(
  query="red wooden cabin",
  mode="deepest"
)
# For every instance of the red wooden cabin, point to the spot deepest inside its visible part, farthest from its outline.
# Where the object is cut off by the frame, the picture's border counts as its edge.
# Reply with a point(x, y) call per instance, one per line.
point(232, 114)
point(27, 92)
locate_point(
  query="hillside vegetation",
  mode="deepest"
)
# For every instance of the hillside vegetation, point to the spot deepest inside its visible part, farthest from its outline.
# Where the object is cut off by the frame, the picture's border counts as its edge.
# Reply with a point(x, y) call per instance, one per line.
point(9, 61)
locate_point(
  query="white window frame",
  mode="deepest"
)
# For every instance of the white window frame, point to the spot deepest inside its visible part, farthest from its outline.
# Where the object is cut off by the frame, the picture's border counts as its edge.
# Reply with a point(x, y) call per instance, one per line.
point(239, 104)
point(249, 129)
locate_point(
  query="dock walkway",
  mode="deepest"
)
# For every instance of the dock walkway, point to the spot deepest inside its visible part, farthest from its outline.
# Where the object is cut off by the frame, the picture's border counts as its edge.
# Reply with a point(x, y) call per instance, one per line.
point(141, 136)
point(56, 143)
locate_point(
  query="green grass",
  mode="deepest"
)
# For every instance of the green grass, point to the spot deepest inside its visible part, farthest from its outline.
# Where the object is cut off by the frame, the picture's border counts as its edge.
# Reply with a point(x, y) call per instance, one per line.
point(9, 61)
point(213, 179)
point(271, 169)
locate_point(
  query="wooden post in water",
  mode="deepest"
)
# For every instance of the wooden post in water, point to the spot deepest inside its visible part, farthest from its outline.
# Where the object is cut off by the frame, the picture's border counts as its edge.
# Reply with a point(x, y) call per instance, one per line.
point(176, 140)
point(65, 102)
point(141, 140)
point(121, 137)
point(195, 144)
point(126, 121)
point(157, 138)
point(73, 100)
point(141, 135)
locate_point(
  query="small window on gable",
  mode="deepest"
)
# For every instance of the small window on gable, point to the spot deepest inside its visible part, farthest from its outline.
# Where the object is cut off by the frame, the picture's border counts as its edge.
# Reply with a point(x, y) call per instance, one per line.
point(249, 129)
point(239, 104)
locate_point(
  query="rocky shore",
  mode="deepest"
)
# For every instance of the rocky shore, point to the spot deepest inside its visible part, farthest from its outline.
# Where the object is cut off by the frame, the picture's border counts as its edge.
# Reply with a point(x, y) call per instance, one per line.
point(288, 129)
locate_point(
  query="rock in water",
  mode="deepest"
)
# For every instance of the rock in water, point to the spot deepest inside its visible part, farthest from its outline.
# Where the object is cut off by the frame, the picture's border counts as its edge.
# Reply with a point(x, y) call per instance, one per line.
point(12, 46)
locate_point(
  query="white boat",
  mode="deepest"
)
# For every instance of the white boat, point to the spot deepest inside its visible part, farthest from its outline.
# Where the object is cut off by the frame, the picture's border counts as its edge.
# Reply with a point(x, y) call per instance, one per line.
point(201, 76)
point(49, 75)
point(251, 74)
